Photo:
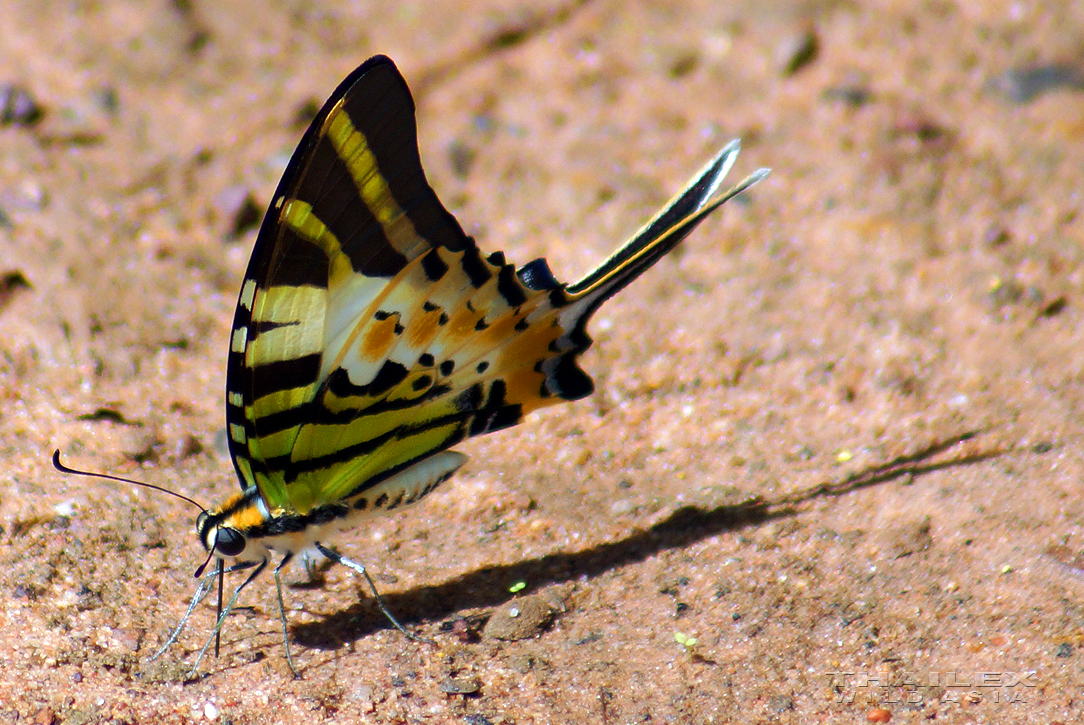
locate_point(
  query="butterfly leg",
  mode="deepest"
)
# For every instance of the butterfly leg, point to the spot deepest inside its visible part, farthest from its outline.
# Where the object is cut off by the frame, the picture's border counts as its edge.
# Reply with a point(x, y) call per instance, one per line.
point(226, 611)
point(353, 565)
point(202, 591)
point(310, 566)
point(282, 613)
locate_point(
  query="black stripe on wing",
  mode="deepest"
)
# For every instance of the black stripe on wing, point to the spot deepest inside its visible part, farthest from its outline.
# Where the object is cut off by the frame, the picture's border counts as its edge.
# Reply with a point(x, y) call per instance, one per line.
point(378, 105)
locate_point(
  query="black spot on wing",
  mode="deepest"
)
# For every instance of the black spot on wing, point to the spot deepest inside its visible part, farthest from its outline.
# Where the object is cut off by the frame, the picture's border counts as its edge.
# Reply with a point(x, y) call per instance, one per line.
point(390, 374)
point(381, 315)
point(568, 381)
point(509, 286)
point(260, 326)
point(495, 414)
point(434, 267)
point(471, 398)
point(475, 268)
point(536, 275)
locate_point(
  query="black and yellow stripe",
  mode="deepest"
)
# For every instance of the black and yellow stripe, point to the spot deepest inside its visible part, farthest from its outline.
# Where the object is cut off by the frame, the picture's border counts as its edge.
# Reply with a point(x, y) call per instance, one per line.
point(371, 333)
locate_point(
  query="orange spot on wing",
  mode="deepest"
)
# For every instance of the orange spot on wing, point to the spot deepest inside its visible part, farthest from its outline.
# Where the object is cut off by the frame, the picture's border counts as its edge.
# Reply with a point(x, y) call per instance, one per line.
point(424, 329)
point(499, 332)
point(378, 339)
point(461, 325)
point(525, 389)
point(533, 344)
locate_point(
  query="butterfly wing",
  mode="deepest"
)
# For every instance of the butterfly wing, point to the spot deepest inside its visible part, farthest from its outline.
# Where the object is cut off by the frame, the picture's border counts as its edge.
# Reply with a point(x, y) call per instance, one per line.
point(371, 333)
point(352, 210)
point(361, 293)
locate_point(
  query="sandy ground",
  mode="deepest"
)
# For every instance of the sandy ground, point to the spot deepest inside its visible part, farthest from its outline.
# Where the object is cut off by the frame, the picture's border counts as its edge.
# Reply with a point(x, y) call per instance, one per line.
point(836, 439)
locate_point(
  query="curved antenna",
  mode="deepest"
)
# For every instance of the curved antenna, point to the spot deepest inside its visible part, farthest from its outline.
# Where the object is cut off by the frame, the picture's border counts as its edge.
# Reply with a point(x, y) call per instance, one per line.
point(76, 472)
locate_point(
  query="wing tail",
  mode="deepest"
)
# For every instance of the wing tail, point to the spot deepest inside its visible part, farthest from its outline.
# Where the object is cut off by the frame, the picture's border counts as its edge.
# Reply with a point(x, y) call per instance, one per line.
point(663, 232)
point(660, 235)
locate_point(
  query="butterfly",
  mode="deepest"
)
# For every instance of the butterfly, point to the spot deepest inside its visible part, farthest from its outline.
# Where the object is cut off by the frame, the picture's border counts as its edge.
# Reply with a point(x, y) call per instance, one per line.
point(371, 335)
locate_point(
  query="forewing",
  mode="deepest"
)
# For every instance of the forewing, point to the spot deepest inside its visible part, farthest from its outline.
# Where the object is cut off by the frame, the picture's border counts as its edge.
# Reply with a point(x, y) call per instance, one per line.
point(352, 211)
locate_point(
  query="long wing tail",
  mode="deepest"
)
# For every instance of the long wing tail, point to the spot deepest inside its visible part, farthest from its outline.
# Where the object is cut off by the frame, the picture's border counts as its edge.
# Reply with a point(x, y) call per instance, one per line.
point(689, 207)
point(663, 232)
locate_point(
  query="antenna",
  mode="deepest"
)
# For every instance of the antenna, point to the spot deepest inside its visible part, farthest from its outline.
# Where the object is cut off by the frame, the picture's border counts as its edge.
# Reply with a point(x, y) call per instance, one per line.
point(75, 472)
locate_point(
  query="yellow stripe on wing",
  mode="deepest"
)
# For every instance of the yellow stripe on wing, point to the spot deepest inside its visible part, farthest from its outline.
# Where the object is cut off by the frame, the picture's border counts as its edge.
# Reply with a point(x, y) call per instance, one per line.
point(353, 148)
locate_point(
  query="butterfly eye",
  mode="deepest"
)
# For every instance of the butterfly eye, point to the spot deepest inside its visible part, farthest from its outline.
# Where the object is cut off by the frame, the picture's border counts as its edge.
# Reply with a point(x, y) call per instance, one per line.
point(229, 542)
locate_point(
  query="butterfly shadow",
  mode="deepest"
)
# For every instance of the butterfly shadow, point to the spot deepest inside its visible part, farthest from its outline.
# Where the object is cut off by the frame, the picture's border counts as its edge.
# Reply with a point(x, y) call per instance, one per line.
point(487, 588)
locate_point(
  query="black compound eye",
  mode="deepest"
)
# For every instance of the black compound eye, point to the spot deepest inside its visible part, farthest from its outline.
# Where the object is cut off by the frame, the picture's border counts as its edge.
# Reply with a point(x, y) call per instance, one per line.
point(229, 542)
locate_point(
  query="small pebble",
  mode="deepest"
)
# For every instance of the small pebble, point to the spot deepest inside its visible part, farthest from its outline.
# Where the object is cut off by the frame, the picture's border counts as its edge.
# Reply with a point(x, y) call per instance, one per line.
point(905, 537)
point(780, 703)
point(461, 686)
point(10, 284)
point(461, 158)
point(797, 51)
point(44, 716)
point(850, 95)
point(238, 207)
point(519, 619)
point(1023, 85)
point(18, 107)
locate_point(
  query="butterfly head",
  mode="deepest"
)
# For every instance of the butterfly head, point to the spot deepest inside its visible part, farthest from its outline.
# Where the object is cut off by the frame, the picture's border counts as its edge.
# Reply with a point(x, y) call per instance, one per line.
point(225, 541)
point(229, 531)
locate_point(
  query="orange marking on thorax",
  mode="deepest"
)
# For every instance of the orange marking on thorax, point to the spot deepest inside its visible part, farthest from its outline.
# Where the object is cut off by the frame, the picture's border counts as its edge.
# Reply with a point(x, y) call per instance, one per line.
point(228, 503)
point(245, 519)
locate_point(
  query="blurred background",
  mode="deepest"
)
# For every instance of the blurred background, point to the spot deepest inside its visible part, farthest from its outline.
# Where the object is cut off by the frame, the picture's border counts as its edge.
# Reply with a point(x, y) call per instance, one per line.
point(877, 352)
